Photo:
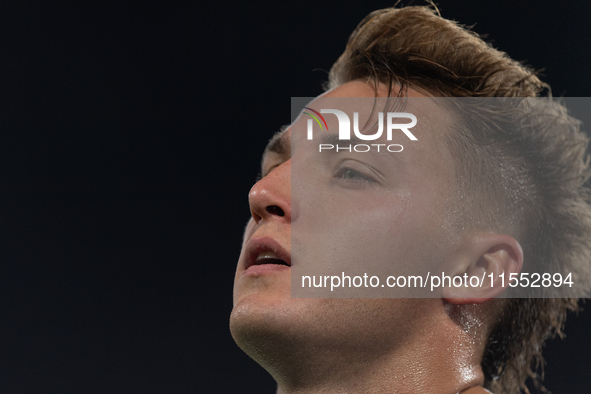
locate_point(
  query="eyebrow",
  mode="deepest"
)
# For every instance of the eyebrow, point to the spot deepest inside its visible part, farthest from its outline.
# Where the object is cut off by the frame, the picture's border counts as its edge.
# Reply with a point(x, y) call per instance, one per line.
point(280, 143)
point(333, 139)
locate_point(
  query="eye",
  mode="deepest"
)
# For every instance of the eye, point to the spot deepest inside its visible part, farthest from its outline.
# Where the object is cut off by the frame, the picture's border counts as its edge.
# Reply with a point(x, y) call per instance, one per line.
point(349, 174)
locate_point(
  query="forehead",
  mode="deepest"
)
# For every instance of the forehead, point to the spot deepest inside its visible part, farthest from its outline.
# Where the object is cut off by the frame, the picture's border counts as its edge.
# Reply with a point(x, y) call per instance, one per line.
point(365, 98)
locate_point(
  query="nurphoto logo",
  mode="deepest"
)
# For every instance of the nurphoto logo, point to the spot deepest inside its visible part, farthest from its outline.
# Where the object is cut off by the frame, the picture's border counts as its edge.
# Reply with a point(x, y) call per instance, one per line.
point(345, 129)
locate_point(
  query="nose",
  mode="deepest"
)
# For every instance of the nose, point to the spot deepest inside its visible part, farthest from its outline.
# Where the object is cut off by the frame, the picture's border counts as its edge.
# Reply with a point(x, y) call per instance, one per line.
point(270, 198)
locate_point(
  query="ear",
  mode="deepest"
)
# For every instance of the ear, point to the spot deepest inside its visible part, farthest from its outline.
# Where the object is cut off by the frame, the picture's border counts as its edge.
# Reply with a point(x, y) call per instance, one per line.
point(484, 263)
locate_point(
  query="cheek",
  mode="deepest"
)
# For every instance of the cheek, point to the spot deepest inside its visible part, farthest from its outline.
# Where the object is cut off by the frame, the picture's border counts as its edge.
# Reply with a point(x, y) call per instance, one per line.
point(248, 232)
point(425, 239)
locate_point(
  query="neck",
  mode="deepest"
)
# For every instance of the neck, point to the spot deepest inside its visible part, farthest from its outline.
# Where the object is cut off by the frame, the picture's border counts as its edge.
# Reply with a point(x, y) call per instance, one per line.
point(444, 357)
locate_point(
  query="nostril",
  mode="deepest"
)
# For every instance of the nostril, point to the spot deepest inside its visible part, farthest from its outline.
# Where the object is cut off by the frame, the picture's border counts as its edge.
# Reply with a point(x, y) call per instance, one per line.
point(255, 217)
point(275, 210)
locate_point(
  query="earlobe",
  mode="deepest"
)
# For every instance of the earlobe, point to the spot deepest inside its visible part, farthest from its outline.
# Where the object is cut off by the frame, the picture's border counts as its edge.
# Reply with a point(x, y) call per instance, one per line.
point(484, 267)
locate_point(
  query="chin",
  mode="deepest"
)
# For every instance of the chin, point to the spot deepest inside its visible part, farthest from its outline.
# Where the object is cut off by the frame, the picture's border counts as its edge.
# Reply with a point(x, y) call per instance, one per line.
point(262, 308)
point(261, 325)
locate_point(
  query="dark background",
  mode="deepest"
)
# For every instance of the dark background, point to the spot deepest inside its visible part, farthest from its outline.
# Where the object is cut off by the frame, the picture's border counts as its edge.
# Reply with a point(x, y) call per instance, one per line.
point(130, 135)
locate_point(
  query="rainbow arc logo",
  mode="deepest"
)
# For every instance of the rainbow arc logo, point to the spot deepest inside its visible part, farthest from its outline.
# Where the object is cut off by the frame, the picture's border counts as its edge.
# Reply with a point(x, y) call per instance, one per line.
point(316, 118)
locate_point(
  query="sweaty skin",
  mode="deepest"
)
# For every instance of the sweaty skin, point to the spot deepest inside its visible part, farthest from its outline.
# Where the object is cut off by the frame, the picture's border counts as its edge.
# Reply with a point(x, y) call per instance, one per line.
point(315, 346)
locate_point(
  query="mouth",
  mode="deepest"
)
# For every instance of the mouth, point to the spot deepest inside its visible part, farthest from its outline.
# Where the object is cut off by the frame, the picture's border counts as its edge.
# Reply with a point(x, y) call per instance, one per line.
point(269, 257)
point(266, 252)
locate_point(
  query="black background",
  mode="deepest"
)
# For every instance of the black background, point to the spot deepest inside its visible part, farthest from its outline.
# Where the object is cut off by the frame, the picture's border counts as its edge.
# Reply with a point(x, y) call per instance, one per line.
point(130, 135)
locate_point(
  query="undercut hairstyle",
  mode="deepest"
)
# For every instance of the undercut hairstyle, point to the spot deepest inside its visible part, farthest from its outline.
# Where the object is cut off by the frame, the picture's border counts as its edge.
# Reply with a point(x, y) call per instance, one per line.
point(532, 169)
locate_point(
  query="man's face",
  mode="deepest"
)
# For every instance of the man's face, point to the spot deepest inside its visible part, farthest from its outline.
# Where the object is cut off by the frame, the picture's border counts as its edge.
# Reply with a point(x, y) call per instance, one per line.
point(405, 198)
